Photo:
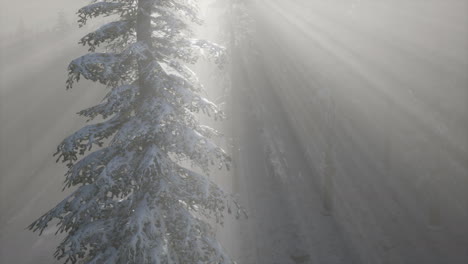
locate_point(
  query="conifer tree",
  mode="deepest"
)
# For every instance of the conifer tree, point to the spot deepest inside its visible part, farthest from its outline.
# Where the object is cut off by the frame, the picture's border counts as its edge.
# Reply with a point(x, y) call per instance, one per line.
point(132, 200)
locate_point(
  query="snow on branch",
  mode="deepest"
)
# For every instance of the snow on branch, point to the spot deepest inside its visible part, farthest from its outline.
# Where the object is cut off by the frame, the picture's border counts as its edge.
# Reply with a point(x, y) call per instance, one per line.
point(210, 50)
point(169, 24)
point(106, 68)
point(186, 8)
point(201, 194)
point(119, 99)
point(179, 88)
point(194, 102)
point(138, 51)
point(200, 150)
point(190, 50)
point(186, 73)
point(89, 218)
point(83, 139)
point(102, 8)
point(108, 33)
point(85, 170)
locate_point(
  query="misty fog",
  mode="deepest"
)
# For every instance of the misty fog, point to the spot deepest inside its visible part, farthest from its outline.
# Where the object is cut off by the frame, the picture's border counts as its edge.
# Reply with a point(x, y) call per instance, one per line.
point(347, 125)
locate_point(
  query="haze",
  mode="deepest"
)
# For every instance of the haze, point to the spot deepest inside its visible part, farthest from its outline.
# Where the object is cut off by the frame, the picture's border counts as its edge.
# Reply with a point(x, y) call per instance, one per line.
point(348, 128)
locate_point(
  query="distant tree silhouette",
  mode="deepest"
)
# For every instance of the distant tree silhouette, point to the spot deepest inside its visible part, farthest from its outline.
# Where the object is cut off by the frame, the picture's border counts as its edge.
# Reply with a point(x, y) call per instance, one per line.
point(62, 25)
point(21, 30)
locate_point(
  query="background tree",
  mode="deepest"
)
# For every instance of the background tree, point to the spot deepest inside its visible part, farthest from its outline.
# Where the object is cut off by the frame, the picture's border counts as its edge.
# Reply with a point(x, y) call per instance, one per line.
point(21, 30)
point(62, 25)
point(133, 201)
point(328, 169)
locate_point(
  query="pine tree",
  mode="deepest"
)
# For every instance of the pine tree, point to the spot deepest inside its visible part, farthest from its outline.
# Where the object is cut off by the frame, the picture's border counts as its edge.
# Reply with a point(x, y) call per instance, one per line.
point(132, 200)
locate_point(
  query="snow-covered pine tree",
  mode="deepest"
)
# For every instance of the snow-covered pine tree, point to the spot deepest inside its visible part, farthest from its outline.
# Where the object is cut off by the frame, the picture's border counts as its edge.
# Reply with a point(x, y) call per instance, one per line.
point(132, 200)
